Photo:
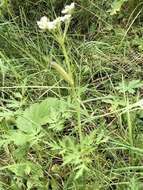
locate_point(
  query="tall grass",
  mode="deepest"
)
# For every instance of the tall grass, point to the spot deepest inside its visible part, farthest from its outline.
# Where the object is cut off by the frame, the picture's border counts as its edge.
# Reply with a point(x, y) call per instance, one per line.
point(60, 134)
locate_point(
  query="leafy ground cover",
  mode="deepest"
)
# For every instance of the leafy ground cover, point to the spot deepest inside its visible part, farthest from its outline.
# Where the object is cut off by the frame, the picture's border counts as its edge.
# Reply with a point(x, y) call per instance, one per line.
point(71, 108)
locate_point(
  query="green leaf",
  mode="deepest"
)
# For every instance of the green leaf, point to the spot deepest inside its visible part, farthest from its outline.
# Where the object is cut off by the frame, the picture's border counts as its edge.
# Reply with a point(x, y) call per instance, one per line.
point(6, 115)
point(51, 111)
point(115, 102)
point(19, 138)
point(19, 169)
point(26, 168)
point(116, 6)
point(80, 171)
point(129, 87)
point(20, 153)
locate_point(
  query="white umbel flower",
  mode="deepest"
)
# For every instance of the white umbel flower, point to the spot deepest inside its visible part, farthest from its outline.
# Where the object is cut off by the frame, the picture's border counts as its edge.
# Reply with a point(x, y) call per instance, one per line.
point(65, 18)
point(53, 25)
point(68, 8)
point(43, 23)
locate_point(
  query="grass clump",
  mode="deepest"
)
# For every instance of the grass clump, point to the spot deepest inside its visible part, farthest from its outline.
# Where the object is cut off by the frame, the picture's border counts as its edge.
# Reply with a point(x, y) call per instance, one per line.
point(71, 97)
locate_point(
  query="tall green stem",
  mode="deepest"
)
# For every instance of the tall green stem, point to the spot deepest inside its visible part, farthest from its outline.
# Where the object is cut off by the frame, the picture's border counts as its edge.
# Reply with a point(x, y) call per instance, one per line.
point(75, 95)
point(67, 59)
point(130, 132)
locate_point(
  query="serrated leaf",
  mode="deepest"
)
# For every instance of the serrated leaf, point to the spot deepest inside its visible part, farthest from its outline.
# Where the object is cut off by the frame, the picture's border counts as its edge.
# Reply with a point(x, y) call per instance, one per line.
point(6, 115)
point(24, 168)
point(80, 170)
point(51, 111)
point(20, 153)
point(116, 6)
point(129, 87)
point(18, 169)
point(19, 138)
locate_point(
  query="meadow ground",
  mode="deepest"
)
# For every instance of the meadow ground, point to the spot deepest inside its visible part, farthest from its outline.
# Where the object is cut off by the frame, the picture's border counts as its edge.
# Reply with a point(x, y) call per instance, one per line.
point(71, 107)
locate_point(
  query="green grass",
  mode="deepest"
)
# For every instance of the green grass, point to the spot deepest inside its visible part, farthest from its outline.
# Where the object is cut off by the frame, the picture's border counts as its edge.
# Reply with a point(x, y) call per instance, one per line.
point(76, 125)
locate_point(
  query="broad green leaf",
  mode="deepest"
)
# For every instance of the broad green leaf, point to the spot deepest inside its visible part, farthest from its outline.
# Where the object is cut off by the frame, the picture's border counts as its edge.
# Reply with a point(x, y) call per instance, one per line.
point(19, 138)
point(116, 6)
point(52, 111)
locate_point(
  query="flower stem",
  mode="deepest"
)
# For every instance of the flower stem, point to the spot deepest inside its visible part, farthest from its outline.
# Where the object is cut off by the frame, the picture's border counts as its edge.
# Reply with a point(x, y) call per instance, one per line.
point(75, 96)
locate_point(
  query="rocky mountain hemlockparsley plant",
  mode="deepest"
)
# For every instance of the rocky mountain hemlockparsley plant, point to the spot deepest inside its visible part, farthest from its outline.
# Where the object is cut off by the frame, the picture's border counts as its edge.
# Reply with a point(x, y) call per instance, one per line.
point(58, 28)
point(59, 33)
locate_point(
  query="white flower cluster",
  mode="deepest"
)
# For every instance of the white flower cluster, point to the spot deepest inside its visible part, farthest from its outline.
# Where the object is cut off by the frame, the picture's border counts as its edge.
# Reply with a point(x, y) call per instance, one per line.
point(46, 24)
point(68, 9)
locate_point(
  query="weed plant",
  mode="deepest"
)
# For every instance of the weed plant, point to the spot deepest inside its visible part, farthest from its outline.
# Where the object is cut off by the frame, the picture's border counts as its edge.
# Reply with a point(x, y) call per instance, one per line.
point(71, 108)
